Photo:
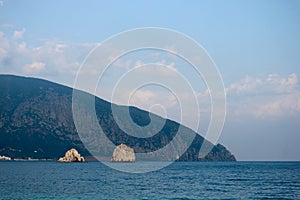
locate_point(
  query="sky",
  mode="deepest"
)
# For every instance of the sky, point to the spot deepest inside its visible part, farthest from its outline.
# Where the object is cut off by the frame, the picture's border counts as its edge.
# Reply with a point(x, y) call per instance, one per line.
point(254, 44)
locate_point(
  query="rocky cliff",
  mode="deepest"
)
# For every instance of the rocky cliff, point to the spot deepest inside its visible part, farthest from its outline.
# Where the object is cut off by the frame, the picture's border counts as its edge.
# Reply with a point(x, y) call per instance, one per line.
point(123, 153)
point(72, 156)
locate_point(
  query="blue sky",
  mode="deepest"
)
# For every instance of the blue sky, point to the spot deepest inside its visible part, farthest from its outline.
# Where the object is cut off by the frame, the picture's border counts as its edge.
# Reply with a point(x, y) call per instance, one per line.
point(255, 45)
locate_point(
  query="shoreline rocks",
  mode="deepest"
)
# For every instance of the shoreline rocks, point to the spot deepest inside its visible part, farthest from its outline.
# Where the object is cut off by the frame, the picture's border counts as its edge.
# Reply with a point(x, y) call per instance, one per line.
point(123, 153)
point(5, 158)
point(72, 156)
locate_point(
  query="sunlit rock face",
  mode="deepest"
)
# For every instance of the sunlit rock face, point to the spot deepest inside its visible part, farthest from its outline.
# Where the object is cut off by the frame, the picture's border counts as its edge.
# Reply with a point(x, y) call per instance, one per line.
point(5, 158)
point(123, 153)
point(72, 156)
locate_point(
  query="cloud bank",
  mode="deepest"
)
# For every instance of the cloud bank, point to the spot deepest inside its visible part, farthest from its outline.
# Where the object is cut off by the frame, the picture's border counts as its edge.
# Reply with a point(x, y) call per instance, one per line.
point(272, 95)
point(52, 59)
point(268, 96)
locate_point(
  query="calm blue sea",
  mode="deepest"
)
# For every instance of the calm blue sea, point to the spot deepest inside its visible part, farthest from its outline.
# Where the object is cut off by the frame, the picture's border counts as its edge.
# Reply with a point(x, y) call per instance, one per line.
point(181, 180)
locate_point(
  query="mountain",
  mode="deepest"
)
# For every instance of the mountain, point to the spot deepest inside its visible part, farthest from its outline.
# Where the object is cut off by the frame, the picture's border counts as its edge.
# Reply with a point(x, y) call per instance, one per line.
point(36, 121)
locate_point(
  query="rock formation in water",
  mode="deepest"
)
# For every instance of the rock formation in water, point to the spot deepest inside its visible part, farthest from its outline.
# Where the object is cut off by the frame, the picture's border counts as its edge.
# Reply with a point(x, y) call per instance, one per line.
point(123, 153)
point(5, 158)
point(72, 156)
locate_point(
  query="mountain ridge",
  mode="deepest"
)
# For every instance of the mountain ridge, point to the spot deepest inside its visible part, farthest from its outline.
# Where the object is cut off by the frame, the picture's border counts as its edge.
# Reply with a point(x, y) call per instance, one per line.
point(36, 121)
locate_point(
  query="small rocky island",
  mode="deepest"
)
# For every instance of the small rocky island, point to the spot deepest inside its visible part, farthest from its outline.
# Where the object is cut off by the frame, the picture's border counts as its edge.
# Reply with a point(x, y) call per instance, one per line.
point(72, 156)
point(123, 153)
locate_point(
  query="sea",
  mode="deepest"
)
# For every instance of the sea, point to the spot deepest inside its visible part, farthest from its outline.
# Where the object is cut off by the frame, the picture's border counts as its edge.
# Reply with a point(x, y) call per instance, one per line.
point(180, 180)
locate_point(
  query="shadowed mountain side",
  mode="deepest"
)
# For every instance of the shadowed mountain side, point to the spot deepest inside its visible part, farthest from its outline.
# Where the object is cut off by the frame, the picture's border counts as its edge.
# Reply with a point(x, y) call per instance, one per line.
point(36, 121)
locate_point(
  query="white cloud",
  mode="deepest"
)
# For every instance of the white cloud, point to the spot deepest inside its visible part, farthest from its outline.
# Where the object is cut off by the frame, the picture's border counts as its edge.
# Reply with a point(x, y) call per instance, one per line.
point(61, 59)
point(142, 96)
point(262, 96)
point(160, 102)
point(271, 84)
point(285, 105)
point(248, 84)
point(21, 47)
point(19, 34)
point(59, 48)
point(270, 96)
point(1, 2)
point(148, 98)
point(34, 68)
point(161, 67)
